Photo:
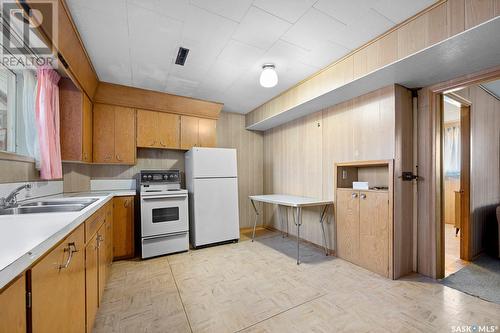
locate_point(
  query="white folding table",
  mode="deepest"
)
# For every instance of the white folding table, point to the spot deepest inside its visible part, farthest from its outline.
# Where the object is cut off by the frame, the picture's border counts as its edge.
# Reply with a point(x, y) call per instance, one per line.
point(297, 202)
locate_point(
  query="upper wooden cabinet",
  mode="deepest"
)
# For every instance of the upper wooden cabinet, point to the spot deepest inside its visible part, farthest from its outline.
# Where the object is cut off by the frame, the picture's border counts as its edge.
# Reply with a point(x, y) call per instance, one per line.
point(157, 129)
point(197, 132)
point(13, 305)
point(76, 123)
point(58, 287)
point(114, 134)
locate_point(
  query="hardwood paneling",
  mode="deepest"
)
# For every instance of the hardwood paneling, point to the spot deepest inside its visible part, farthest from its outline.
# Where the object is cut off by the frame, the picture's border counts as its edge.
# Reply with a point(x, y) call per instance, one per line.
point(13, 305)
point(249, 146)
point(348, 225)
point(478, 11)
point(123, 227)
point(169, 130)
point(147, 128)
point(92, 282)
point(104, 134)
point(125, 146)
point(456, 16)
point(189, 132)
point(58, 295)
point(87, 130)
point(207, 132)
point(71, 120)
point(374, 231)
point(108, 93)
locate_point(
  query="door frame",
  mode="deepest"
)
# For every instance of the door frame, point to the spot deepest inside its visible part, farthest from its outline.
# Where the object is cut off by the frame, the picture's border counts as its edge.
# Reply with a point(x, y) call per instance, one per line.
point(435, 100)
point(465, 162)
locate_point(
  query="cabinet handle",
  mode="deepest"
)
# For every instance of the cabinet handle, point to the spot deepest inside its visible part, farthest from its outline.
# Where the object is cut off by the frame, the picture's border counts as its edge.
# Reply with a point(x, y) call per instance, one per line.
point(118, 158)
point(354, 195)
point(162, 144)
point(125, 204)
point(71, 249)
point(363, 196)
point(154, 142)
point(107, 157)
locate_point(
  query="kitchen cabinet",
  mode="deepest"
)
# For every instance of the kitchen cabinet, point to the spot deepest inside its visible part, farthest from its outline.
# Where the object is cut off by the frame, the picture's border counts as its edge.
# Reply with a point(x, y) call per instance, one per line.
point(91, 281)
point(114, 134)
point(157, 129)
point(123, 227)
point(363, 228)
point(75, 123)
point(13, 307)
point(58, 287)
point(197, 132)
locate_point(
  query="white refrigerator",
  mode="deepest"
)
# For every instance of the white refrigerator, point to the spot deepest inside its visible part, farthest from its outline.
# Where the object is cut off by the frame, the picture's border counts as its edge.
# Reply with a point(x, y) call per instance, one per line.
point(212, 183)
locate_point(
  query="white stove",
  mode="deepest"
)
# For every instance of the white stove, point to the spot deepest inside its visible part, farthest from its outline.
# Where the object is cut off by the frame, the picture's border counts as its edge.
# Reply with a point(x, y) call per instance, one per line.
point(164, 213)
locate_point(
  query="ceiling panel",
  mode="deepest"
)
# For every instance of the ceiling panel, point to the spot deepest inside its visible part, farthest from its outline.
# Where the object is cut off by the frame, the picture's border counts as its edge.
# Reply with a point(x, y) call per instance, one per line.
point(135, 42)
point(289, 10)
point(260, 29)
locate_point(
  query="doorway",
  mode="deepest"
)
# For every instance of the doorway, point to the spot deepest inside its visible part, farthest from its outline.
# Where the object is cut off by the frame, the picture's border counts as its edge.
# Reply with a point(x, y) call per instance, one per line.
point(455, 185)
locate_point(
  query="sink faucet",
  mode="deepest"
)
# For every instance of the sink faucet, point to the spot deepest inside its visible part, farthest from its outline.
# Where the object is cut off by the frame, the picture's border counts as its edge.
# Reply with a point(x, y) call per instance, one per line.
point(11, 200)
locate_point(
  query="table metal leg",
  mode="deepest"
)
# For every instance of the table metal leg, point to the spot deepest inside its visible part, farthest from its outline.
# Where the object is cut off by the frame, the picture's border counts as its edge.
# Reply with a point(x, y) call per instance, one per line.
point(299, 222)
point(280, 218)
point(323, 227)
point(286, 211)
point(256, 218)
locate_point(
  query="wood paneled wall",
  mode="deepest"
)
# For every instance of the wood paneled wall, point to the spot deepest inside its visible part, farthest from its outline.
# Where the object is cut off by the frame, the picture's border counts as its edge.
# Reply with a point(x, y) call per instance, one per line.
point(17, 171)
point(440, 21)
point(231, 133)
point(299, 156)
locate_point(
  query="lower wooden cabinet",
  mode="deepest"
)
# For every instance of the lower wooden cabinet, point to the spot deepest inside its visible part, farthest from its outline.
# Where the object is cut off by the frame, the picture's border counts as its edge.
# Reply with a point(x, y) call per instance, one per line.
point(92, 281)
point(13, 307)
point(123, 227)
point(58, 287)
point(363, 228)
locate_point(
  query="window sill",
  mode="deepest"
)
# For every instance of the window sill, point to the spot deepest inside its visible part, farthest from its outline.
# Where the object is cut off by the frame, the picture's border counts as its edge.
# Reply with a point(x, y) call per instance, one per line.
point(8, 156)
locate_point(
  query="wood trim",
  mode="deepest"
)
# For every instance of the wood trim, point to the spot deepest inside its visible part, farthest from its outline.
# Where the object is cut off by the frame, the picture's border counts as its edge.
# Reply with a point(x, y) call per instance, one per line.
point(364, 163)
point(9, 156)
point(114, 94)
point(465, 209)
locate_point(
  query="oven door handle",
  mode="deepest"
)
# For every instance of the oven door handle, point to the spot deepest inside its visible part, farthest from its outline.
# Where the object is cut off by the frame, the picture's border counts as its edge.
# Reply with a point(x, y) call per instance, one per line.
point(156, 197)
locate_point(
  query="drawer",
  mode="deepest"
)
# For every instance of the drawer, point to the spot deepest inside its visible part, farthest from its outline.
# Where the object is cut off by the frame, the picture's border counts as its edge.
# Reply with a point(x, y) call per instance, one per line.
point(93, 223)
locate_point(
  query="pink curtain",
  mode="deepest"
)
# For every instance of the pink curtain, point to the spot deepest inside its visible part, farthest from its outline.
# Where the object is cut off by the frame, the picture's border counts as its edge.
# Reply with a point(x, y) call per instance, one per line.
point(47, 122)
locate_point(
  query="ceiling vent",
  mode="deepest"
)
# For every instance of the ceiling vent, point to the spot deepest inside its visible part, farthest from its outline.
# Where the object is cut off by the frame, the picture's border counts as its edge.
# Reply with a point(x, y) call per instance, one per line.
point(181, 56)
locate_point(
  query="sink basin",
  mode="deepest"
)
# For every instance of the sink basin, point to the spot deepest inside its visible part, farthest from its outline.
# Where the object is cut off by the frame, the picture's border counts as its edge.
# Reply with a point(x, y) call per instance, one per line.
point(41, 209)
point(49, 206)
point(60, 202)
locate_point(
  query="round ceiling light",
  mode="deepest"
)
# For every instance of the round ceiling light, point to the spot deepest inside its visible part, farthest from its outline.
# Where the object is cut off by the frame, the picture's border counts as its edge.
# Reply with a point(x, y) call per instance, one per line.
point(268, 77)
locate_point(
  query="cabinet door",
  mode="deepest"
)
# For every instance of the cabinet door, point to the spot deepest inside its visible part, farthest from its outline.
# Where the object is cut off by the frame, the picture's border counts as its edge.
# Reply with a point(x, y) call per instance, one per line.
point(147, 129)
point(123, 227)
point(125, 146)
point(58, 287)
point(168, 130)
point(92, 282)
point(109, 238)
point(348, 225)
point(87, 130)
point(189, 132)
point(104, 133)
point(13, 305)
point(101, 262)
point(374, 231)
point(207, 133)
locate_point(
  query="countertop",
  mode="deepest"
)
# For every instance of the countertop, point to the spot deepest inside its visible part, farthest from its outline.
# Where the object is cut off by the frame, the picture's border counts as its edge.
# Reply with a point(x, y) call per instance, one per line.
point(290, 200)
point(25, 238)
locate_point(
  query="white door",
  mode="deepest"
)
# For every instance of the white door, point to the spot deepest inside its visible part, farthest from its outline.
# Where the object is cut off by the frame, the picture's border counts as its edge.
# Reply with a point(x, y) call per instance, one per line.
point(214, 162)
point(216, 217)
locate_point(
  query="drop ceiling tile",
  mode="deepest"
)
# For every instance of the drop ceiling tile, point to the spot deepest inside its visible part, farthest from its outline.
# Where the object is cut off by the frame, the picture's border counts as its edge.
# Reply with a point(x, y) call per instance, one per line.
point(221, 75)
point(176, 9)
point(112, 7)
point(149, 76)
point(289, 10)
point(324, 53)
point(240, 54)
point(260, 29)
point(315, 26)
point(231, 9)
point(399, 10)
point(283, 53)
point(190, 71)
point(181, 86)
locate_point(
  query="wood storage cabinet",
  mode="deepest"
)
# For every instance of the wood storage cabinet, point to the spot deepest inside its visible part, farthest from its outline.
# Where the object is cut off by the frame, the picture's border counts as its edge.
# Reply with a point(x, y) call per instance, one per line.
point(58, 287)
point(13, 307)
point(198, 132)
point(363, 229)
point(114, 134)
point(123, 227)
point(158, 129)
point(76, 123)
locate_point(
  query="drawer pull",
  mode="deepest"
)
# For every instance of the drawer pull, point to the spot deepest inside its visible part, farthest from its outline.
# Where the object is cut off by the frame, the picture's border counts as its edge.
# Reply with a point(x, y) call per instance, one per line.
point(363, 196)
point(71, 249)
point(354, 195)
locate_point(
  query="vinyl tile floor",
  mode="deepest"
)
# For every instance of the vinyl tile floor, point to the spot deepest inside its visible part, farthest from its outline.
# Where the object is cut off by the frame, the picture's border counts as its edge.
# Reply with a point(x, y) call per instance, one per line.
point(257, 287)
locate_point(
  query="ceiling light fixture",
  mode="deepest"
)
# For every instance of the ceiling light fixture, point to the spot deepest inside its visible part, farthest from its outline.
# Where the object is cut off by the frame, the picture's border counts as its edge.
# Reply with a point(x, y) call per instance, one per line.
point(268, 77)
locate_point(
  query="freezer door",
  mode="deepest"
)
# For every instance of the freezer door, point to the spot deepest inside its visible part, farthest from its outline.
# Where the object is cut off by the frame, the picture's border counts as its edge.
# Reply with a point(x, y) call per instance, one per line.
point(215, 210)
point(213, 162)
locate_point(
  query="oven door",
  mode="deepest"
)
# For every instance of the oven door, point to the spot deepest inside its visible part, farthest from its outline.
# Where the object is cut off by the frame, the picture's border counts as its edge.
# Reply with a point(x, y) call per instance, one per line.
point(163, 214)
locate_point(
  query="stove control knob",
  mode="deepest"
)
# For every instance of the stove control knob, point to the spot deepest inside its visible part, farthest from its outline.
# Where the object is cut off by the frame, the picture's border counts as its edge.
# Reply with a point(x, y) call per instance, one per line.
point(165, 177)
point(150, 177)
